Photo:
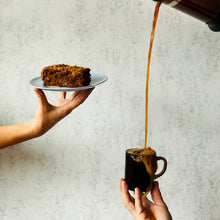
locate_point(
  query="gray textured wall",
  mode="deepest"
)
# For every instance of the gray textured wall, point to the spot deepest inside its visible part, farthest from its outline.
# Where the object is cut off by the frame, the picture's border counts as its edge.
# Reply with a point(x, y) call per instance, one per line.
point(73, 171)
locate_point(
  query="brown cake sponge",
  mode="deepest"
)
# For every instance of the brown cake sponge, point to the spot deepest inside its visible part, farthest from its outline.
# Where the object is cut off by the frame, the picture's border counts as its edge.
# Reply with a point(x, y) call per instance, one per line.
point(63, 75)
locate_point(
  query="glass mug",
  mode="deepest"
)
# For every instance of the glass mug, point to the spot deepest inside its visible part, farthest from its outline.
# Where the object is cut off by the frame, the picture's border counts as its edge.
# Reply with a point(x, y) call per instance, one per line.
point(141, 167)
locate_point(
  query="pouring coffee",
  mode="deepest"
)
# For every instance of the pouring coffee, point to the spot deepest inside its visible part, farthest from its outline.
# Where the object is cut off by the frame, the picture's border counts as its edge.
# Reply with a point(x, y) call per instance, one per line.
point(207, 11)
point(141, 164)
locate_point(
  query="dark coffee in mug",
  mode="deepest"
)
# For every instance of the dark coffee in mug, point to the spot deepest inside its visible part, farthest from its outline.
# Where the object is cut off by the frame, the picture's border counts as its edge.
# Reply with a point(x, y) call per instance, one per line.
point(141, 167)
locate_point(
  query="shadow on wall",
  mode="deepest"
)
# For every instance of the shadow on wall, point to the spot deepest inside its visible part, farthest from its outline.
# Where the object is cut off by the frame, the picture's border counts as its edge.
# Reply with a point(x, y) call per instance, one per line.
point(34, 161)
point(25, 155)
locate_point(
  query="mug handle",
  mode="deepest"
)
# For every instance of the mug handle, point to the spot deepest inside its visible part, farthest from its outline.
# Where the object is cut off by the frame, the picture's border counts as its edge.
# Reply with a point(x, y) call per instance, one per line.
point(164, 167)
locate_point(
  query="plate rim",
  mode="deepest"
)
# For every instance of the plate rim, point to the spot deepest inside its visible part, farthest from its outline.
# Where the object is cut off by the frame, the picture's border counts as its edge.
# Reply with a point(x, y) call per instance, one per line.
point(66, 89)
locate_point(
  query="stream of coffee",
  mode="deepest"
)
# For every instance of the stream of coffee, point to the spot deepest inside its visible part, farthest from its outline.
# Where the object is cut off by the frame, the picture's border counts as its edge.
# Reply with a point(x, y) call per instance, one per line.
point(145, 155)
point(156, 12)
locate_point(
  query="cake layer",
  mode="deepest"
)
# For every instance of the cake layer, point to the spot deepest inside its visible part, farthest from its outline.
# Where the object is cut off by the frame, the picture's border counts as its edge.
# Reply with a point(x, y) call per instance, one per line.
point(62, 75)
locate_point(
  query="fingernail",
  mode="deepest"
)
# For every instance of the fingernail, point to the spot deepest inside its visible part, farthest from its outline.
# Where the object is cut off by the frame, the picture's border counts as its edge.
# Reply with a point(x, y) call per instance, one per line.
point(136, 190)
point(121, 184)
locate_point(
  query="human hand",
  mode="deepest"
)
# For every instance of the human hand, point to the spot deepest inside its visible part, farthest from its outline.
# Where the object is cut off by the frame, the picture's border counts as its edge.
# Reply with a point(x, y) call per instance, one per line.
point(145, 209)
point(48, 115)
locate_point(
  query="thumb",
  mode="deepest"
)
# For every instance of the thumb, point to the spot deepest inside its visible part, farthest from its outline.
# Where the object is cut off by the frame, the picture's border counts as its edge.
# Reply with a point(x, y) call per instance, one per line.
point(156, 195)
point(41, 96)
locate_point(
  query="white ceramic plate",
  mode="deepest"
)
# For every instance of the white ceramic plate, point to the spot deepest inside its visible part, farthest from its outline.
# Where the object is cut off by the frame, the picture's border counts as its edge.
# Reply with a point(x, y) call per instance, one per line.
point(96, 79)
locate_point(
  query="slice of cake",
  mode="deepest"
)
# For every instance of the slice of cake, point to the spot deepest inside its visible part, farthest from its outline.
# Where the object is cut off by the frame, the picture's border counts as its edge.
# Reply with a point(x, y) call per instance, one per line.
point(65, 76)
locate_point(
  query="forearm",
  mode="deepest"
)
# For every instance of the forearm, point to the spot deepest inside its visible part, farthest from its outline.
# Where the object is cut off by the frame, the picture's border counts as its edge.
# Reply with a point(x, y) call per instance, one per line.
point(14, 134)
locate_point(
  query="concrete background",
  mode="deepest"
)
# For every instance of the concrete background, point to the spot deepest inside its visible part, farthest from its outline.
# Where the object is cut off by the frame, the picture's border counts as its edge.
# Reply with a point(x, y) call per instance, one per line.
point(73, 171)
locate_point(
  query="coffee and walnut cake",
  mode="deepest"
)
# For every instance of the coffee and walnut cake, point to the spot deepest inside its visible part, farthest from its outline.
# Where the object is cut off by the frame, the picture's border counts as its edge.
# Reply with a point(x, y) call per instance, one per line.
point(65, 76)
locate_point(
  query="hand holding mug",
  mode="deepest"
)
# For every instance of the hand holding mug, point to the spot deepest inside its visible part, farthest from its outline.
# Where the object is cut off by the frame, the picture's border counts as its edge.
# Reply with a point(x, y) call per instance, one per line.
point(145, 210)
